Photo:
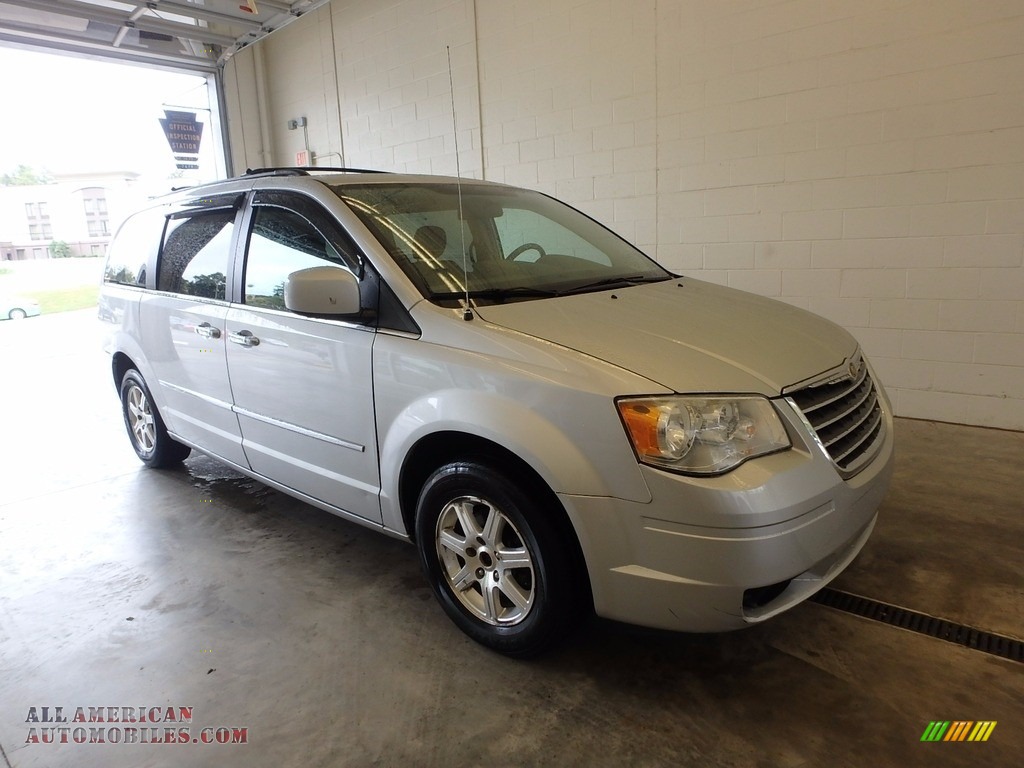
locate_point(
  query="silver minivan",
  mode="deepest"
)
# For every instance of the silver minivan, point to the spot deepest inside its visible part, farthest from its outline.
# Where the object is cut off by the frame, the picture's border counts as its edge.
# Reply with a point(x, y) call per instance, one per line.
point(561, 425)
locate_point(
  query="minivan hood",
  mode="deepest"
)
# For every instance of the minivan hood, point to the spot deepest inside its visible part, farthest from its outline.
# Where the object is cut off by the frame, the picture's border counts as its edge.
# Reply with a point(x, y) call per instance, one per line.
point(687, 335)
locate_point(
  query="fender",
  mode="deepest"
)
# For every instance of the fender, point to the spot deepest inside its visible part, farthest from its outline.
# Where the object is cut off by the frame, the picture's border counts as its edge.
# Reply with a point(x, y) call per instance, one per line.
point(528, 433)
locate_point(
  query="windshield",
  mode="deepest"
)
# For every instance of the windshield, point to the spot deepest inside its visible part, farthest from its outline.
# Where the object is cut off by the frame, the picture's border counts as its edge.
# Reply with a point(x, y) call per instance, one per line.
point(509, 245)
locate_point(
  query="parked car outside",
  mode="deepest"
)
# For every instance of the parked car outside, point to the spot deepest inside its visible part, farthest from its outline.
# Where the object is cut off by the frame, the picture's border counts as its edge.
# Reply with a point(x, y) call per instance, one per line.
point(560, 424)
point(18, 307)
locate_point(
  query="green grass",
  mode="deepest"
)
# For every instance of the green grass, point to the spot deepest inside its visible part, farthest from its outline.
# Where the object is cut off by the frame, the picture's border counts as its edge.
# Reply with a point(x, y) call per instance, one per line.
point(66, 299)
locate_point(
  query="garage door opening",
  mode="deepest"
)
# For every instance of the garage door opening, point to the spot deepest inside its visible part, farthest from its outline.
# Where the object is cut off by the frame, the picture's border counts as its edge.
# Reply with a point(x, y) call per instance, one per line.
point(82, 145)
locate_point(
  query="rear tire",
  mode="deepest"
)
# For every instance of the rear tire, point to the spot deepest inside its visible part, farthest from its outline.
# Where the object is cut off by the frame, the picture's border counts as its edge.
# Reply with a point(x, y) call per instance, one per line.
point(17, 314)
point(496, 559)
point(146, 430)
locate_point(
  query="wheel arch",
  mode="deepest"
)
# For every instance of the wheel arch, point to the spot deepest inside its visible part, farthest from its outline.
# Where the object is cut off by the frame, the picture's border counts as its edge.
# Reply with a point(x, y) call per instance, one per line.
point(435, 450)
point(120, 364)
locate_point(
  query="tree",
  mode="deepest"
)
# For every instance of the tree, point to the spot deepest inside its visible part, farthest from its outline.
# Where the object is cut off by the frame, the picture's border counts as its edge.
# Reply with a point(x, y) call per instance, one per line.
point(209, 286)
point(59, 249)
point(25, 176)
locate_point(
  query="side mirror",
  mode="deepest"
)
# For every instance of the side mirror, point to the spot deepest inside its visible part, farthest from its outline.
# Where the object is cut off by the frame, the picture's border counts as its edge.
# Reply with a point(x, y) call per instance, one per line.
point(322, 291)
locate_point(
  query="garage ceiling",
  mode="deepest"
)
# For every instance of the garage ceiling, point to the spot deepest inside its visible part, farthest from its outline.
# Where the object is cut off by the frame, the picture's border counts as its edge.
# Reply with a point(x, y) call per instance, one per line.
point(182, 34)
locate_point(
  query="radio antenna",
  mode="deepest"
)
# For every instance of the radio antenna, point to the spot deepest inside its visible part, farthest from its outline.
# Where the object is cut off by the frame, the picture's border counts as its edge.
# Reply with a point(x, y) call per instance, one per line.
point(467, 311)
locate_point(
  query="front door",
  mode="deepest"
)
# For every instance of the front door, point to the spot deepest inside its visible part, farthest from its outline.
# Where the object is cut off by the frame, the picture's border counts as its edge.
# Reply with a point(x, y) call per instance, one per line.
point(302, 386)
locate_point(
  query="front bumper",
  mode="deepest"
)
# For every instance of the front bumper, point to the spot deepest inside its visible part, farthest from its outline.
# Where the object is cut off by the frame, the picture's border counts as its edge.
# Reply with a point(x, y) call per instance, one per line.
point(715, 554)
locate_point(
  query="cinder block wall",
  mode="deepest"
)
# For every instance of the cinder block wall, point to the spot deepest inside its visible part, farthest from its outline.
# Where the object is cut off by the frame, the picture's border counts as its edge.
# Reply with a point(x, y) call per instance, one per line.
point(864, 160)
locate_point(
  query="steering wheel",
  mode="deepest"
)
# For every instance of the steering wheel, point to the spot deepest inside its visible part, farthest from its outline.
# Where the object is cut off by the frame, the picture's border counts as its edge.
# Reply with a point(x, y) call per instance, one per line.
point(517, 252)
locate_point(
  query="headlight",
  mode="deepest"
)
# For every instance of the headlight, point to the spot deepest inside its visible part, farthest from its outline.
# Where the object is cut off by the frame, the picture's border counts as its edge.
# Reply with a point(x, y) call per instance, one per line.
point(701, 435)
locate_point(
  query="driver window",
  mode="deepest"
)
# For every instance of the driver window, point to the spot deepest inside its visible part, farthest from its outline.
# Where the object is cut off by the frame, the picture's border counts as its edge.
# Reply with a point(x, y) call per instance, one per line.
point(281, 242)
point(520, 228)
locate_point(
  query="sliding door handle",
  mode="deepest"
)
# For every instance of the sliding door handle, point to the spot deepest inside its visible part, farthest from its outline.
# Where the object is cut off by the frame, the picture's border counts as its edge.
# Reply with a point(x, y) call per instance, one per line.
point(245, 338)
point(207, 331)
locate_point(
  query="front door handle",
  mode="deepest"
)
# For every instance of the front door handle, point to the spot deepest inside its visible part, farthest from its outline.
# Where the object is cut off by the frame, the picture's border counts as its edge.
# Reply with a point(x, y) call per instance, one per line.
point(207, 331)
point(245, 338)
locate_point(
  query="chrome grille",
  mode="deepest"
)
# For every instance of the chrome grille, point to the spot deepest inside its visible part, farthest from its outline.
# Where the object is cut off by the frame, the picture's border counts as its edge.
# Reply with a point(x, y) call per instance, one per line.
point(846, 417)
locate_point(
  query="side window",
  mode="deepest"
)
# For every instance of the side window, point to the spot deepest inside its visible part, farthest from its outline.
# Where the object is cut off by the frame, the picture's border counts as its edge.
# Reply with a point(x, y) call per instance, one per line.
point(281, 242)
point(134, 248)
point(195, 256)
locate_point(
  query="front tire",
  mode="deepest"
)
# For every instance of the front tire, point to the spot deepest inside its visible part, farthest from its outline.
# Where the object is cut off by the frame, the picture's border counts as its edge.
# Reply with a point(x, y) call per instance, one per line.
point(17, 314)
point(146, 430)
point(495, 558)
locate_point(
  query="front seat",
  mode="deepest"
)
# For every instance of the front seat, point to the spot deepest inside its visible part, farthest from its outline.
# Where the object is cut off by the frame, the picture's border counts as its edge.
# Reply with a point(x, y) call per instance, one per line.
point(431, 242)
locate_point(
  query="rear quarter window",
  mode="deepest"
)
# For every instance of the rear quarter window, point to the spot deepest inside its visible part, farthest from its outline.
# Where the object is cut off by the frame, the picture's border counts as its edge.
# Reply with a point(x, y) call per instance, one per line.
point(132, 253)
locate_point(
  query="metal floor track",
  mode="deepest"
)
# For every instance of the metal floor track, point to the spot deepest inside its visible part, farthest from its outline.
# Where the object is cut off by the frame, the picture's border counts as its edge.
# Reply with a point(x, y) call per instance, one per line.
point(950, 631)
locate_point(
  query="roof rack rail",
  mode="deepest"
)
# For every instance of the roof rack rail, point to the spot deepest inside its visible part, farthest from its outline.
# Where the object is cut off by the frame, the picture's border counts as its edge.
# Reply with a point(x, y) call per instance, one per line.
point(304, 170)
point(339, 169)
point(275, 172)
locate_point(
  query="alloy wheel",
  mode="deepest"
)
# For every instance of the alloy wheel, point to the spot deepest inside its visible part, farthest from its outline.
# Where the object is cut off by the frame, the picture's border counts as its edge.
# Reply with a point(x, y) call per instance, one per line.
point(485, 561)
point(140, 419)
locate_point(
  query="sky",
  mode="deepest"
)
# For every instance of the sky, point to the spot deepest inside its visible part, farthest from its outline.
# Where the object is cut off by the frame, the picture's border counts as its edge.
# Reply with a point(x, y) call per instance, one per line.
point(71, 115)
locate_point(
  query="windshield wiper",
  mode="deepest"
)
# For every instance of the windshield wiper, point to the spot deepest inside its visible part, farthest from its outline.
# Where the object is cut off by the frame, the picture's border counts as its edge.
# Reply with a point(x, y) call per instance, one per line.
point(498, 294)
point(615, 282)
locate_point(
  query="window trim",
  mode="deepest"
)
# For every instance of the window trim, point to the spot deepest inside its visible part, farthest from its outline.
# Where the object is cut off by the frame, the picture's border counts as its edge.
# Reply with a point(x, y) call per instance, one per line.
point(391, 315)
point(320, 219)
point(246, 246)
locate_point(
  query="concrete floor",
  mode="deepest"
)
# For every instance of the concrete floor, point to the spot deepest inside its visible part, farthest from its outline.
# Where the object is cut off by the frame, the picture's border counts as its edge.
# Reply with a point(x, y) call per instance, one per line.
point(127, 587)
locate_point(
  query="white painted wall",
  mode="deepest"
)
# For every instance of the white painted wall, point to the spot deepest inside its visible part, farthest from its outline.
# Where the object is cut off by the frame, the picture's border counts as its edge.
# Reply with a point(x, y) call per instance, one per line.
point(862, 159)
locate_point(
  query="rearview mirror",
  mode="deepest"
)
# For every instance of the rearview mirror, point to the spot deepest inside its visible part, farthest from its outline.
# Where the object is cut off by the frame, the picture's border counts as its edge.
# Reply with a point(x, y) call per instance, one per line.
point(322, 291)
